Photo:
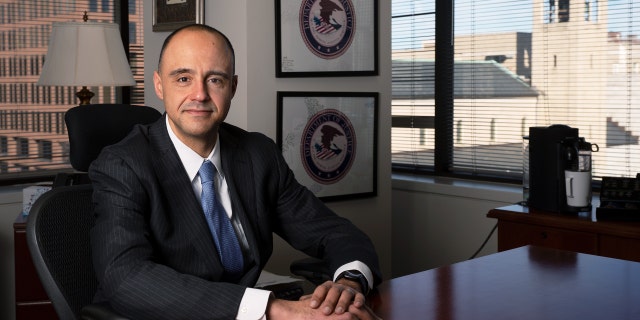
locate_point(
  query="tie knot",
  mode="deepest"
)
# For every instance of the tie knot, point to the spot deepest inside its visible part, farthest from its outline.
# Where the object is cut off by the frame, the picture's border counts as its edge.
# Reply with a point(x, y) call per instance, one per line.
point(207, 171)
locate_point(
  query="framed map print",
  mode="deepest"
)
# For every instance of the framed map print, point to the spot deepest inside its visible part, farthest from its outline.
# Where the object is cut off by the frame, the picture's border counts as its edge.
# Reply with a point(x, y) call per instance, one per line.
point(169, 15)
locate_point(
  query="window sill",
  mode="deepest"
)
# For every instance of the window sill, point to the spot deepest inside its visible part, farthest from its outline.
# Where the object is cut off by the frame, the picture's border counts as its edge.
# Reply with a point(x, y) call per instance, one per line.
point(482, 190)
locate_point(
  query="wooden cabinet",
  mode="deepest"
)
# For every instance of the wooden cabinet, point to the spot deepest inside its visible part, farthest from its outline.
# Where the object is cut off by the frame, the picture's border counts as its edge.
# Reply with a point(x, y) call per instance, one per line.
point(519, 226)
point(32, 301)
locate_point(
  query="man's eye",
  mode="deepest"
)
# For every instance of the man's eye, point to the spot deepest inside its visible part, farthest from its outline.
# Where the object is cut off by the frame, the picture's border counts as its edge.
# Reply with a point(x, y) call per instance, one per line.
point(216, 81)
point(183, 79)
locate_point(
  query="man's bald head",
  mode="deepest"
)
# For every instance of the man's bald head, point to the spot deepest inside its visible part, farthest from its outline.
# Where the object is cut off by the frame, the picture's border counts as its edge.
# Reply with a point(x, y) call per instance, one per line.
point(198, 27)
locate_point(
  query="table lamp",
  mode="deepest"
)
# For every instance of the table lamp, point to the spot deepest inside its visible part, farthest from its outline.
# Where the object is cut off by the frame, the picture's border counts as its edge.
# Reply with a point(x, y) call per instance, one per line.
point(85, 54)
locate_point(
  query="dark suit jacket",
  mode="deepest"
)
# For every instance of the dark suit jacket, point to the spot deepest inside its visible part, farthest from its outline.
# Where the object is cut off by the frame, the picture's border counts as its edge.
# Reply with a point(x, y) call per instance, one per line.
point(152, 250)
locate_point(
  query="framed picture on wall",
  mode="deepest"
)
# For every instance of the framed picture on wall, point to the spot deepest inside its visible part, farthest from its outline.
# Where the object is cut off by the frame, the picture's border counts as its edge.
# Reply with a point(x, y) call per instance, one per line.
point(329, 140)
point(316, 38)
point(169, 15)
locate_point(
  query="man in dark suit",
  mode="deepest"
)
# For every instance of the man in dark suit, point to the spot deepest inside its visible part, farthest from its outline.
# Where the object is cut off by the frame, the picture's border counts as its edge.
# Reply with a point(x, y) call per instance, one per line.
point(154, 253)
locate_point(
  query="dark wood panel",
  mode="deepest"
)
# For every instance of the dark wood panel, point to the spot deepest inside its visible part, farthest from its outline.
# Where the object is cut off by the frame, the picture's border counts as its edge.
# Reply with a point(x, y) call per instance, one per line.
point(618, 247)
point(36, 310)
point(518, 226)
point(32, 301)
point(586, 222)
point(28, 286)
point(512, 235)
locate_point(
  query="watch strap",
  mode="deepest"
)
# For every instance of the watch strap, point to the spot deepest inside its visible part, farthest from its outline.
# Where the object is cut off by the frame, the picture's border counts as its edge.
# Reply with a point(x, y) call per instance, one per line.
point(357, 276)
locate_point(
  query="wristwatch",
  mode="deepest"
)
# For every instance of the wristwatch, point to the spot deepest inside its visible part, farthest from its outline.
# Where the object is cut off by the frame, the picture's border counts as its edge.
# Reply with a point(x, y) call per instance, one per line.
point(356, 276)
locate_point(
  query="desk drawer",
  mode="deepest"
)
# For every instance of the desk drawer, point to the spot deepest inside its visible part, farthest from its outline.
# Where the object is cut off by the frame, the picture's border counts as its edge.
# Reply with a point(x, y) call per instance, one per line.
point(41, 310)
point(512, 235)
point(619, 247)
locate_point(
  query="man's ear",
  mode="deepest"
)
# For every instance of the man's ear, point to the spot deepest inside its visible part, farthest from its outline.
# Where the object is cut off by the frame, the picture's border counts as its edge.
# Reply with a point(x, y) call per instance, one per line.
point(234, 85)
point(157, 85)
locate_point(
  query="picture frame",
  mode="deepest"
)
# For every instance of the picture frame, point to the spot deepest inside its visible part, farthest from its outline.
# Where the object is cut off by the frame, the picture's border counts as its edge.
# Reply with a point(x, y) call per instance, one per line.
point(329, 140)
point(169, 15)
point(339, 39)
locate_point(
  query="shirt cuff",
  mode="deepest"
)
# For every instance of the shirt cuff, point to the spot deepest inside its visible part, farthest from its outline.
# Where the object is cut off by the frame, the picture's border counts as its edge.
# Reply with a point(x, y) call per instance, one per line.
point(254, 304)
point(358, 266)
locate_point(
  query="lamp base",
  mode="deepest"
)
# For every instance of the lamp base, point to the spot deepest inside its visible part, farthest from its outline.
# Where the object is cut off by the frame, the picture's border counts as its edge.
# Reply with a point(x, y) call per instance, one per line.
point(85, 96)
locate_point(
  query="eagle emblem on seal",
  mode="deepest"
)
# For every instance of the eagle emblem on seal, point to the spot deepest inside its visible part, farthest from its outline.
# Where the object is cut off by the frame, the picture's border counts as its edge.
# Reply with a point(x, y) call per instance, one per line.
point(327, 26)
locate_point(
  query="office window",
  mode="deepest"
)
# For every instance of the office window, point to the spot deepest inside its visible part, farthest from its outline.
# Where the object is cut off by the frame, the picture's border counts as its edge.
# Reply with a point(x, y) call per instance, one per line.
point(4, 146)
point(36, 113)
point(22, 147)
point(570, 62)
point(45, 150)
point(133, 7)
point(107, 6)
point(132, 32)
point(93, 5)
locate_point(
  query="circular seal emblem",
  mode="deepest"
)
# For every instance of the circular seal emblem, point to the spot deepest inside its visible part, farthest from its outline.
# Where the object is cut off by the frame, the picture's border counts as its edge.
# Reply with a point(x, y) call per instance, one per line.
point(328, 146)
point(327, 26)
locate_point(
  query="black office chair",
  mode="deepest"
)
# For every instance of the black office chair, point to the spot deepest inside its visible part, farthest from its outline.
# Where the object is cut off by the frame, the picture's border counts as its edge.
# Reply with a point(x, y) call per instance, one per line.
point(59, 221)
point(312, 269)
point(92, 127)
point(58, 238)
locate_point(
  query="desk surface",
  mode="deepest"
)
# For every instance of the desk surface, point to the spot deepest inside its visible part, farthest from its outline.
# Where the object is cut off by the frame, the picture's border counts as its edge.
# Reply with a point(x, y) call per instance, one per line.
point(522, 283)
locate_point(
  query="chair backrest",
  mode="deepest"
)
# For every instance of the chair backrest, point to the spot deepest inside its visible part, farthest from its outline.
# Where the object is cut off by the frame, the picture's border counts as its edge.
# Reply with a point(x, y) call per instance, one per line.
point(92, 127)
point(60, 220)
point(58, 238)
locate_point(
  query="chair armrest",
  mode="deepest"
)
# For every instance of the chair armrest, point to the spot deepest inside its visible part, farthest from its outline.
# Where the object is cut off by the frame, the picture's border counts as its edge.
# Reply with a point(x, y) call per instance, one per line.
point(312, 269)
point(99, 312)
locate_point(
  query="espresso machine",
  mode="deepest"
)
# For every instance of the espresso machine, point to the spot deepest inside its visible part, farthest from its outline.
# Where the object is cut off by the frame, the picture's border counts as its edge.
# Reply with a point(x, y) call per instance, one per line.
point(559, 169)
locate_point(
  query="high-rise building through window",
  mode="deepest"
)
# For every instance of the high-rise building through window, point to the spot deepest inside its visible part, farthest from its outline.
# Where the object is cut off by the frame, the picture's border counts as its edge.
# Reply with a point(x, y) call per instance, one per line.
point(32, 129)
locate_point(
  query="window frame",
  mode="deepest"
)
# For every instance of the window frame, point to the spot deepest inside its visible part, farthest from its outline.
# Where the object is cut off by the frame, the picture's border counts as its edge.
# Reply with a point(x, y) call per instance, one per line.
point(442, 121)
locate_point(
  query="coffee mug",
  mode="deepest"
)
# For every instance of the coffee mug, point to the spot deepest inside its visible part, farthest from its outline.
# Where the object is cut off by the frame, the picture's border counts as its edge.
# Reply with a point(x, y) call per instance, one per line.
point(578, 188)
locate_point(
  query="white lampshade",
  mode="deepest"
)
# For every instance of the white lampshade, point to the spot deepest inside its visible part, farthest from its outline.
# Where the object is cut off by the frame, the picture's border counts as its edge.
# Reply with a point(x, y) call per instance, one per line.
point(86, 54)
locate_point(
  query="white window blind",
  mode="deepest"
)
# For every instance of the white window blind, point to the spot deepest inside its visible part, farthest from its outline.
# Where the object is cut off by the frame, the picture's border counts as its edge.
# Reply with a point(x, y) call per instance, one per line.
point(519, 64)
point(494, 102)
point(413, 70)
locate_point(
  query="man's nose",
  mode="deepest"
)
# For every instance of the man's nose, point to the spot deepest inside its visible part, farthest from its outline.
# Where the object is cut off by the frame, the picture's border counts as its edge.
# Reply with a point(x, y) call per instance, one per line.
point(200, 92)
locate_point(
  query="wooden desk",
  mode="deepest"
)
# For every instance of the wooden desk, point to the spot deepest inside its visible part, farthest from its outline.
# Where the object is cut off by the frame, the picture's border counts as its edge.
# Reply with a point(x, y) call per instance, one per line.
point(524, 283)
point(32, 301)
point(519, 226)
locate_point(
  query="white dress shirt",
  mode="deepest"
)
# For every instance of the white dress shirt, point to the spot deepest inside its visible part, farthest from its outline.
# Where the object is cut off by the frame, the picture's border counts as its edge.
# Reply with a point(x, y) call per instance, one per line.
point(254, 302)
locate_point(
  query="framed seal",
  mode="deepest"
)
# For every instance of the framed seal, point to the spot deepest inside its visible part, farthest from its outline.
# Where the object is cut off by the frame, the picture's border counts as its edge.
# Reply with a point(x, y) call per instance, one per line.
point(327, 27)
point(329, 140)
point(327, 146)
point(316, 38)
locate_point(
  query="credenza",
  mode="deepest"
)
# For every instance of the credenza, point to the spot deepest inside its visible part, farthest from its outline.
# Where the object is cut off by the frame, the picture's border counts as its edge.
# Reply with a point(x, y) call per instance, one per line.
point(519, 226)
point(32, 301)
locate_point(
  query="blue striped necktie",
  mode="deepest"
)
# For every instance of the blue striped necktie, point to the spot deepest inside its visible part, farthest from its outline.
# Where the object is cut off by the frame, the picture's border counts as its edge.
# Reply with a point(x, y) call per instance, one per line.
point(219, 223)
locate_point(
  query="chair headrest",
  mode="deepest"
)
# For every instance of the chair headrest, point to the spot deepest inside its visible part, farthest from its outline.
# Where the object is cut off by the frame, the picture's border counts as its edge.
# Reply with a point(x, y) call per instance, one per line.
point(95, 126)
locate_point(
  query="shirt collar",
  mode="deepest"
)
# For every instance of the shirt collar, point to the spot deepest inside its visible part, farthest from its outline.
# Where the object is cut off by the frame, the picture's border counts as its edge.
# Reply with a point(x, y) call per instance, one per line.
point(192, 160)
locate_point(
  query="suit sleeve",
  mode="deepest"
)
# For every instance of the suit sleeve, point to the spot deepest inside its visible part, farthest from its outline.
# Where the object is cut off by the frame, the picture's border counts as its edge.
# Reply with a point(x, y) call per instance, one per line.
point(126, 259)
point(307, 224)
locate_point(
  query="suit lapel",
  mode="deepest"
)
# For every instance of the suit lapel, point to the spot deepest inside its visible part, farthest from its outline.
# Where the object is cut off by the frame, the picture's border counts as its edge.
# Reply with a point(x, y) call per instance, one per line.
point(189, 214)
point(239, 175)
